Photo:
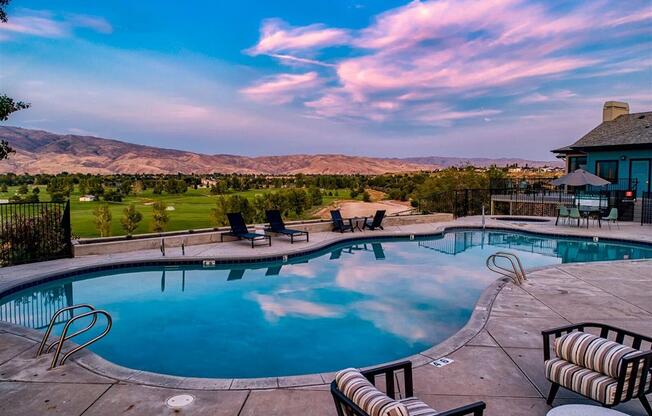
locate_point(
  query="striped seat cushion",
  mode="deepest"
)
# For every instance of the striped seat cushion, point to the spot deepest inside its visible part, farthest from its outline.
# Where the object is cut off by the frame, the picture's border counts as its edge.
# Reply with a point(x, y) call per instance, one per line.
point(595, 353)
point(361, 392)
point(587, 382)
point(416, 407)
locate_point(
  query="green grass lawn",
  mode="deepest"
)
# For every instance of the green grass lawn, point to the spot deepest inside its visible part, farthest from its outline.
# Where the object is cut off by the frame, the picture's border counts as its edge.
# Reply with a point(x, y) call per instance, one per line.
point(191, 210)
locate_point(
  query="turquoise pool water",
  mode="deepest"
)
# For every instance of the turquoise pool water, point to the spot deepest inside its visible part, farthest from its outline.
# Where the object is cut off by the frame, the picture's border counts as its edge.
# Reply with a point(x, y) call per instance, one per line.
point(351, 305)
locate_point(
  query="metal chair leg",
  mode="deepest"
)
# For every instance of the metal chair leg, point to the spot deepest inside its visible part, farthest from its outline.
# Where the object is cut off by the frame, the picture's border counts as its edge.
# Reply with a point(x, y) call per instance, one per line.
point(646, 404)
point(554, 388)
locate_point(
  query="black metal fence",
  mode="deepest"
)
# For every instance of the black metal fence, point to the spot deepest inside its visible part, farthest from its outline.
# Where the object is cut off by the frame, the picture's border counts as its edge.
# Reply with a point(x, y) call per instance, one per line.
point(31, 232)
point(532, 198)
point(646, 209)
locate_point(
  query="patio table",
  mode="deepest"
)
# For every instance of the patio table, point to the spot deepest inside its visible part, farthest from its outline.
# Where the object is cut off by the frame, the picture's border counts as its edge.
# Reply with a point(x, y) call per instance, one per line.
point(583, 410)
point(588, 212)
point(358, 222)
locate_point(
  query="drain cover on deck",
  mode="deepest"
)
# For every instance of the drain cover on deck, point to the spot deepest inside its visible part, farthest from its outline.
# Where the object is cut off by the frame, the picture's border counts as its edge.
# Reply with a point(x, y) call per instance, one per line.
point(181, 400)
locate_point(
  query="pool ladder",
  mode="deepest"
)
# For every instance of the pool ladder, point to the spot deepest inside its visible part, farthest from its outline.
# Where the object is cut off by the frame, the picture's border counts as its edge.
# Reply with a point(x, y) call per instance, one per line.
point(44, 348)
point(516, 272)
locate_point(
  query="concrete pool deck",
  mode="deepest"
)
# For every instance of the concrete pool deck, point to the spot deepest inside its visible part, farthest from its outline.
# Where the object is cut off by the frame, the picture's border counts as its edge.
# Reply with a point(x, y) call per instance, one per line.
point(501, 362)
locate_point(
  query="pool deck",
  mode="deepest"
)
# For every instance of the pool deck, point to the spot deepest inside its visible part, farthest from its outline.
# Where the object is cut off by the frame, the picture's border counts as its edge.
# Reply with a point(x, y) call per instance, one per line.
point(498, 356)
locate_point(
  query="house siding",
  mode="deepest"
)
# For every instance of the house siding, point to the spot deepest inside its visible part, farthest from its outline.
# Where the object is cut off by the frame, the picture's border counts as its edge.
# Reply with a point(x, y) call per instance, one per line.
point(623, 165)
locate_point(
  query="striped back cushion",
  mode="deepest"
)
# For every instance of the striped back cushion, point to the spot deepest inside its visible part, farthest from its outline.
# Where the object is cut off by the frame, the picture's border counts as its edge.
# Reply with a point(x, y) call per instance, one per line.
point(361, 392)
point(595, 353)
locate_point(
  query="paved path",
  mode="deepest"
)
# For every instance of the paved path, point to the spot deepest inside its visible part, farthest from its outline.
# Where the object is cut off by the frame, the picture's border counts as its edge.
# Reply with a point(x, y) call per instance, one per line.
point(502, 364)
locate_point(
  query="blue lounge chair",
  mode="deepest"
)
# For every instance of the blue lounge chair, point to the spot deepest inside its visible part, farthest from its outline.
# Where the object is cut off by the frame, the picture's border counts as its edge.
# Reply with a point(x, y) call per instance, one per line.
point(338, 222)
point(239, 230)
point(377, 222)
point(276, 225)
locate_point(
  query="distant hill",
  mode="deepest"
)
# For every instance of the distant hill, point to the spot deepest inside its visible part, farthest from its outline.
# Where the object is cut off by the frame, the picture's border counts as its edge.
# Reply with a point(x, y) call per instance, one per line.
point(43, 152)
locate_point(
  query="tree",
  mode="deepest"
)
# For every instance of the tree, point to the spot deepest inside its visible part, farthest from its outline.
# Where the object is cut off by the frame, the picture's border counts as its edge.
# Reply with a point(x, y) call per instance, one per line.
point(111, 195)
point(160, 217)
point(130, 219)
point(7, 104)
point(4, 188)
point(3, 14)
point(366, 197)
point(22, 190)
point(36, 190)
point(103, 220)
point(234, 203)
point(316, 196)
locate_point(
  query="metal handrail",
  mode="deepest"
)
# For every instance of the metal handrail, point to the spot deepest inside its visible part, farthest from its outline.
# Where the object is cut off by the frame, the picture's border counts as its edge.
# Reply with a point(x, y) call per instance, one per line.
point(109, 324)
point(516, 273)
point(42, 346)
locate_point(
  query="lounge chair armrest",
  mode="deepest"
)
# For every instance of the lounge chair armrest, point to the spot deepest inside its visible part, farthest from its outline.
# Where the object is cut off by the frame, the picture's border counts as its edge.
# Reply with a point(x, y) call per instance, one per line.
point(389, 371)
point(632, 385)
point(475, 409)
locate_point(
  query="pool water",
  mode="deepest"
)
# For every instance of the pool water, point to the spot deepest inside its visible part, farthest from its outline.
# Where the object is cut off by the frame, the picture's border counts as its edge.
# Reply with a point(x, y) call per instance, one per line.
point(351, 305)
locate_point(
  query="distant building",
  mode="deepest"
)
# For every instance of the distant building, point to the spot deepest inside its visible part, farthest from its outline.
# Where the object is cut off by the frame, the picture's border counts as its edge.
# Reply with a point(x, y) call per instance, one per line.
point(87, 198)
point(618, 150)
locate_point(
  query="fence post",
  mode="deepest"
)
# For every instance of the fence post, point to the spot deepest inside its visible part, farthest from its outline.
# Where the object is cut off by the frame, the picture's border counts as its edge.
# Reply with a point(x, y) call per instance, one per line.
point(67, 232)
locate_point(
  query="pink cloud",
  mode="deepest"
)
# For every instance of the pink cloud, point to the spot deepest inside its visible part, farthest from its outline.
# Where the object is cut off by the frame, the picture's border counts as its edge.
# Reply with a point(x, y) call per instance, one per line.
point(43, 24)
point(446, 50)
point(282, 88)
point(275, 307)
point(36, 26)
point(276, 37)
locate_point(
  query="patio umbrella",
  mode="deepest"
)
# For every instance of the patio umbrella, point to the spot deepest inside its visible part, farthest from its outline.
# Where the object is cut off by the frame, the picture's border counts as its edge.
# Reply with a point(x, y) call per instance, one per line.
point(580, 178)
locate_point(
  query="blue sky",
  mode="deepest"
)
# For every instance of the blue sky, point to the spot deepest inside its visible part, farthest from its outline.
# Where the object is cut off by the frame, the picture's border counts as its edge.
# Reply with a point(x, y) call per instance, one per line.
point(378, 78)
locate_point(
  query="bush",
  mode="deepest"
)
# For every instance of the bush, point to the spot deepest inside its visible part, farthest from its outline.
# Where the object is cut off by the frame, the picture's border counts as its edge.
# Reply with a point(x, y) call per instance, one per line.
point(58, 197)
point(111, 195)
point(103, 220)
point(31, 238)
point(130, 219)
point(160, 217)
point(366, 197)
point(234, 203)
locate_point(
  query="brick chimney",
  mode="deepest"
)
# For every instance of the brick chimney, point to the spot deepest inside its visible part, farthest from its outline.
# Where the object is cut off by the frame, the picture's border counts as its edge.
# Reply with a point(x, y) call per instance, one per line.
point(613, 109)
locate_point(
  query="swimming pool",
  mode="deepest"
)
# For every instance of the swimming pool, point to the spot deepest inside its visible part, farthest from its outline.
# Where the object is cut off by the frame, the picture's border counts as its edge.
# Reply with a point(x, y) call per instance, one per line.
point(354, 304)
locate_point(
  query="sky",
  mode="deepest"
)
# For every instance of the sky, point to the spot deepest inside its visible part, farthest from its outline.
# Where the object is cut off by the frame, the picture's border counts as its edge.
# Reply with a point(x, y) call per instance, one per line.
point(500, 78)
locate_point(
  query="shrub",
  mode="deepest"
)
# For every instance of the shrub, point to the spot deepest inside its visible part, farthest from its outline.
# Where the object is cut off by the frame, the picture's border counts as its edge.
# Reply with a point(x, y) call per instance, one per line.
point(26, 238)
point(111, 195)
point(366, 197)
point(160, 217)
point(130, 219)
point(103, 220)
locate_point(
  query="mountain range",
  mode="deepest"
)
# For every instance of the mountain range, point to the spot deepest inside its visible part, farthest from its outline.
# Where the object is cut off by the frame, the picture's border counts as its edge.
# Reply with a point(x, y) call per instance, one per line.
point(39, 151)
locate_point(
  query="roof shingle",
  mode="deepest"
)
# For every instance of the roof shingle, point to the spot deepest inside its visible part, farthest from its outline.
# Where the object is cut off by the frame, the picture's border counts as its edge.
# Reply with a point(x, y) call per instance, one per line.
point(626, 130)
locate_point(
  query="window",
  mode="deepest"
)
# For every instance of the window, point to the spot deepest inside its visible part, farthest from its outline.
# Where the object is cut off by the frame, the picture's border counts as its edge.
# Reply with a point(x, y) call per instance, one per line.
point(607, 169)
point(576, 162)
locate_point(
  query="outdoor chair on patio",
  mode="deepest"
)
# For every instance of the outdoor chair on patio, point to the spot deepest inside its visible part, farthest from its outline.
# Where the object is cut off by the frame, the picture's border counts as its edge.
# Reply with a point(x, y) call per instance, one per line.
point(377, 222)
point(562, 214)
point(612, 217)
point(240, 231)
point(575, 215)
point(338, 222)
point(276, 225)
point(609, 372)
point(355, 394)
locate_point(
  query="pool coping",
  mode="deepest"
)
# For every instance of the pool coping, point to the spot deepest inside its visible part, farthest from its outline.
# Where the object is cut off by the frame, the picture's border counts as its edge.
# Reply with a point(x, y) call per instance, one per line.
point(103, 367)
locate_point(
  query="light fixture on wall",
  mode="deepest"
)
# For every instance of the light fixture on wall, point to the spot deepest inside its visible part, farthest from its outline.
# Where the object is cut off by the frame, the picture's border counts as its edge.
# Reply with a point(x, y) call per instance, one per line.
point(623, 157)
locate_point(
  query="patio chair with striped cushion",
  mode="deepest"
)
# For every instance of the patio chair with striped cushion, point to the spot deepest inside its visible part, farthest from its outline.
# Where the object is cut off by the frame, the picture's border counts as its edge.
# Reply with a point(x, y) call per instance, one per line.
point(596, 367)
point(355, 394)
